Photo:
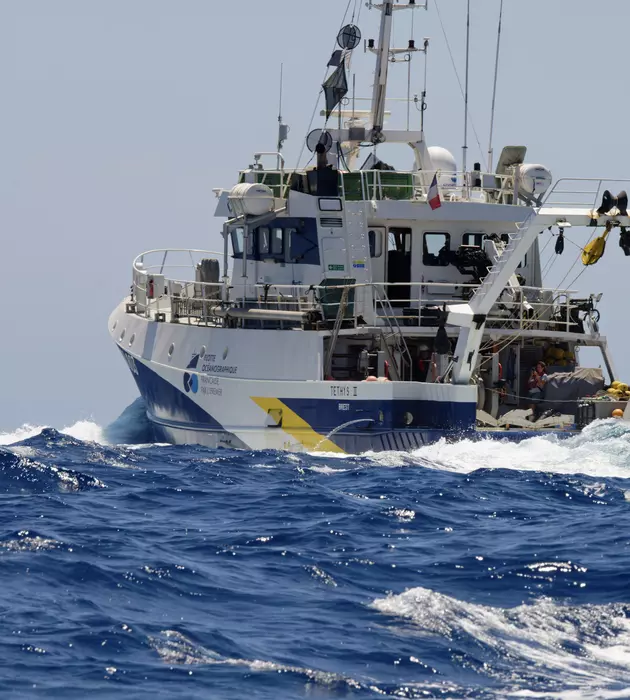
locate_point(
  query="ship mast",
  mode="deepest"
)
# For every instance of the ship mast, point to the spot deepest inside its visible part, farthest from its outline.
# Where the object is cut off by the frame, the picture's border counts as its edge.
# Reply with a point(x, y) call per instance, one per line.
point(384, 54)
point(382, 68)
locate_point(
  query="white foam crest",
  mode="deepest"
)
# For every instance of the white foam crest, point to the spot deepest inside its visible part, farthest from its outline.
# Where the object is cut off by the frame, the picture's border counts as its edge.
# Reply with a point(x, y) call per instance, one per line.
point(585, 646)
point(602, 449)
point(23, 433)
point(84, 430)
point(175, 648)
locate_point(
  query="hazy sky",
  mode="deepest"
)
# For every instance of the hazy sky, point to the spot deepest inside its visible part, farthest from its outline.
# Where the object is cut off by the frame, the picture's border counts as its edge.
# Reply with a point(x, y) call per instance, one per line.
point(120, 116)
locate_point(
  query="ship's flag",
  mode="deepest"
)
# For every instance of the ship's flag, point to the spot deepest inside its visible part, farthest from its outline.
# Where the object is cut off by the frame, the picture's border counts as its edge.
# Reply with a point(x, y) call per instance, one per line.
point(434, 194)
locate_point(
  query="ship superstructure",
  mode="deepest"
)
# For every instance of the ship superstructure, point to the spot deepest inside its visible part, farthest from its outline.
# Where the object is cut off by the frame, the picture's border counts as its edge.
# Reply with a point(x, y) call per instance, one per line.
point(357, 307)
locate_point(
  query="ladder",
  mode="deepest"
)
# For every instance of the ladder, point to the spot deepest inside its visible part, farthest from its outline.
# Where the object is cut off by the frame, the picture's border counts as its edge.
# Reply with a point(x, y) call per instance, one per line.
point(341, 312)
point(395, 333)
point(500, 261)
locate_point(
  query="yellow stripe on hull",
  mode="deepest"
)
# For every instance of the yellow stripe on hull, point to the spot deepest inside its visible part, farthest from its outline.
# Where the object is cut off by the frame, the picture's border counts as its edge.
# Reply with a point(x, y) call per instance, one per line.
point(295, 426)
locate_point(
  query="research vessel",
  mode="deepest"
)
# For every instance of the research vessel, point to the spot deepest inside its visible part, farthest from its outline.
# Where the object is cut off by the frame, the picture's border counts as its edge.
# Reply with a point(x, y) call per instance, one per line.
point(358, 307)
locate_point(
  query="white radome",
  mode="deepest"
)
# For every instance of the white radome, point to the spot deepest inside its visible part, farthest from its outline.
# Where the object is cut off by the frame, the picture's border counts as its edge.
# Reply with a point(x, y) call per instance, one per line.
point(444, 161)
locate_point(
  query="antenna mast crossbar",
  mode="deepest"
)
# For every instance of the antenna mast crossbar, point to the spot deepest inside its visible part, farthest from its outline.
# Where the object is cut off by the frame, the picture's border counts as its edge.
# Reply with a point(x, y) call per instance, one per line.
point(384, 53)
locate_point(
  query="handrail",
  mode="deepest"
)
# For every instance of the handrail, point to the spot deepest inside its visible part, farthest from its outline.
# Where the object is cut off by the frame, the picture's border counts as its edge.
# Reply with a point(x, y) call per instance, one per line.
point(210, 302)
point(599, 184)
point(138, 259)
point(408, 185)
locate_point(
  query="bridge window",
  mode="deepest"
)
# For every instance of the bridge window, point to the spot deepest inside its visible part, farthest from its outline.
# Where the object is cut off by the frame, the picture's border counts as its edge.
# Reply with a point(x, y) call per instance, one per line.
point(277, 241)
point(375, 239)
point(436, 249)
point(475, 239)
point(237, 243)
point(332, 204)
point(263, 240)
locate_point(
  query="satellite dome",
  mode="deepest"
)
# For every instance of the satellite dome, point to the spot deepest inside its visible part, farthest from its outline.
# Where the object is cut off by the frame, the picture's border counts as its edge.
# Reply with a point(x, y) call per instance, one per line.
point(444, 161)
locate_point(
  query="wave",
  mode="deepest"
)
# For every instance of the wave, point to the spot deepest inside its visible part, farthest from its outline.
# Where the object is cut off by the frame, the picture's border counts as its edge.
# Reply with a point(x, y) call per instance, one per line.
point(601, 450)
point(83, 430)
point(544, 645)
point(132, 427)
point(21, 474)
point(174, 649)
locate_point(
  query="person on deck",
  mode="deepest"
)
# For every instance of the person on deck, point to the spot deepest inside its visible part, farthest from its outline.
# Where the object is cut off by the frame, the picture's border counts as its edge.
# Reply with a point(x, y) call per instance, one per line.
point(536, 386)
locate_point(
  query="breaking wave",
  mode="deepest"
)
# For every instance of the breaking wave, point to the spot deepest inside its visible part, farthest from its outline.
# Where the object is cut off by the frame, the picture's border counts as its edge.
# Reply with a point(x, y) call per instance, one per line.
point(601, 450)
point(583, 650)
point(132, 427)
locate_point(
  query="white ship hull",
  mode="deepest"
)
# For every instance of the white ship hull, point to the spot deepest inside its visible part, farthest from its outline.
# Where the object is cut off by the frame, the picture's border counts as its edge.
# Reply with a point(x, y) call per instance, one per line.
point(208, 391)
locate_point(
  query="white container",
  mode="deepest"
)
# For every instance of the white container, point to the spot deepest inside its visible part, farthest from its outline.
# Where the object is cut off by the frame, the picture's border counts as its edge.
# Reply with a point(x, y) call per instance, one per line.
point(251, 199)
point(534, 179)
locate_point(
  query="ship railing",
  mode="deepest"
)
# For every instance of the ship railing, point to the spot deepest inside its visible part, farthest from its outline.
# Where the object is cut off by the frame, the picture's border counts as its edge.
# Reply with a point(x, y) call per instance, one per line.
point(163, 279)
point(583, 193)
point(378, 185)
point(409, 304)
point(410, 185)
point(527, 308)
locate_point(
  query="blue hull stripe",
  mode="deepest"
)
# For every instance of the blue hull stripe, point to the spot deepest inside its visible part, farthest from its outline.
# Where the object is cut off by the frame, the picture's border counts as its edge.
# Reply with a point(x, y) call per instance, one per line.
point(324, 415)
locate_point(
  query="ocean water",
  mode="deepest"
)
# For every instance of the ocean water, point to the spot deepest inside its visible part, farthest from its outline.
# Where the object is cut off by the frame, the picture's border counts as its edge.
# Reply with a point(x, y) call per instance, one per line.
point(466, 570)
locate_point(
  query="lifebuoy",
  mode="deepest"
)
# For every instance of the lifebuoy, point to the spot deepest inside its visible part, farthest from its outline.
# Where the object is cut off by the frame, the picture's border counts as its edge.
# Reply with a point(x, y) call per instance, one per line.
point(386, 369)
point(500, 371)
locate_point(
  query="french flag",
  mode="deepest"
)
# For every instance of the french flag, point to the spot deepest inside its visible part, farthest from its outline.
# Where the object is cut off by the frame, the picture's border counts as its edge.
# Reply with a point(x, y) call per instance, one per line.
point(434, 194)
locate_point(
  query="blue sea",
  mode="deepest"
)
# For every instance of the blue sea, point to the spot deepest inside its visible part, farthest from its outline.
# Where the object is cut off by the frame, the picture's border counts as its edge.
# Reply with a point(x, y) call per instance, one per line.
point(466, 570)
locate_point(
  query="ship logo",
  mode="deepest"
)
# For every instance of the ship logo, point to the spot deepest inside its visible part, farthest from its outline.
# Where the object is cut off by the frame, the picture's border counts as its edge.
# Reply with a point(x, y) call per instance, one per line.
point(191, 383)
point(194, 362)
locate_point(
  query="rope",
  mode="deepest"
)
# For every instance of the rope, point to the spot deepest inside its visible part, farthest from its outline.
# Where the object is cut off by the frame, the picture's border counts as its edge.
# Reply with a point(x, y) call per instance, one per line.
point(542, 400)
point(461, 88)
point(577, 260)
point(546, 245)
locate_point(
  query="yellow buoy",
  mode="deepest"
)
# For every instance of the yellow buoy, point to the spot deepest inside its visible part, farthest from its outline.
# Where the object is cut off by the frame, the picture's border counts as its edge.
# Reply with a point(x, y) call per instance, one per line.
point(617, 413)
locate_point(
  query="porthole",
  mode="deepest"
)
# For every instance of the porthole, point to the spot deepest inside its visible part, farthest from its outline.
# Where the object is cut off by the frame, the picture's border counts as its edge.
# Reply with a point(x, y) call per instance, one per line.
point(202, 352)
point(133, 337)
point(171, 350)
point(408, 418)
point(115, 324)
point(122, 335)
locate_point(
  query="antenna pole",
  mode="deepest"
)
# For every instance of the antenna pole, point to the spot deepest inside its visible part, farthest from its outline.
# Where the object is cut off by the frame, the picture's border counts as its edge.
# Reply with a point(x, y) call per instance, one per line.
point(494, 90)
point(465, 149)
point(382, 66)
point(423, 104)
point(282, 129)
